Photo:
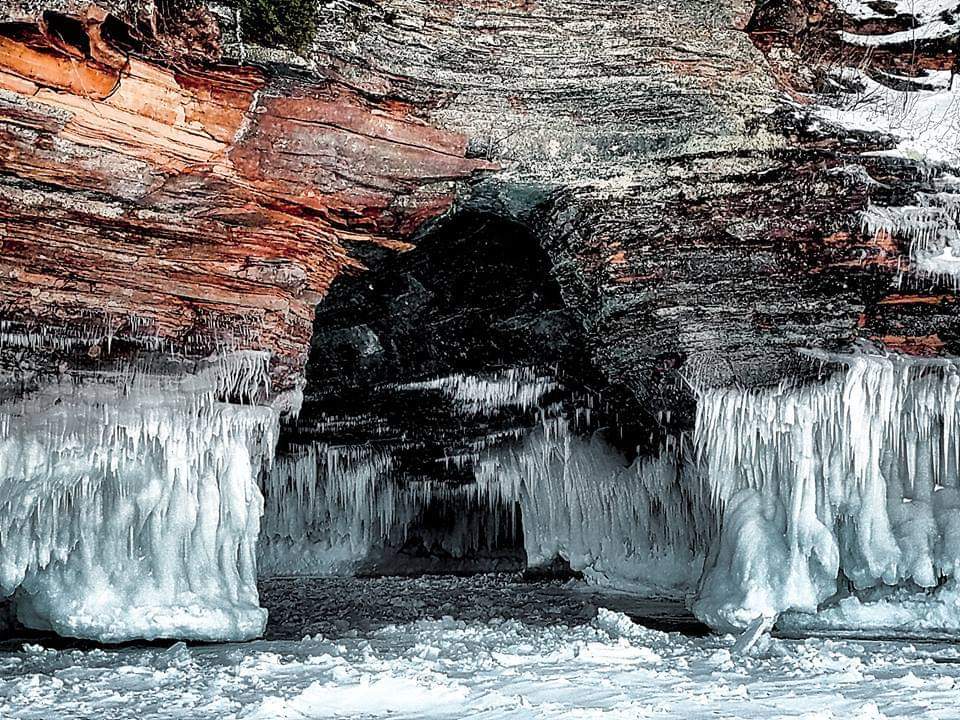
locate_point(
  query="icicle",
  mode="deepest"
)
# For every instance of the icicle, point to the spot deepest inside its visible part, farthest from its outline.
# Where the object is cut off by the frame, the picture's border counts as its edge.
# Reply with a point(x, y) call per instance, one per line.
point(131, 508)
point(838, 476)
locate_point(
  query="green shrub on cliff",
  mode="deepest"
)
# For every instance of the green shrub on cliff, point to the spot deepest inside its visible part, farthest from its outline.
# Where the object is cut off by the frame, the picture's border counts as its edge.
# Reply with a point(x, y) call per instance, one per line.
point(279, 23)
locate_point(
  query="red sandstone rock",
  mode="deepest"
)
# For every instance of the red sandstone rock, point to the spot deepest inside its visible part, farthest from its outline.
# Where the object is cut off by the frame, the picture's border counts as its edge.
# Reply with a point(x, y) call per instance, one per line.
point(189, 206)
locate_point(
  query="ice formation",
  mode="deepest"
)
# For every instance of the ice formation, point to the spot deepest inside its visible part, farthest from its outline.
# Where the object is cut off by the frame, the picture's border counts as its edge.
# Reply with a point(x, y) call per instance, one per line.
point(521, 388)
point(931, 227)
point(840, 496)
point(831, 488)
point(632, 525)
point(627, 525)
point(130, 505)
point(326, 510)
point(331, 508)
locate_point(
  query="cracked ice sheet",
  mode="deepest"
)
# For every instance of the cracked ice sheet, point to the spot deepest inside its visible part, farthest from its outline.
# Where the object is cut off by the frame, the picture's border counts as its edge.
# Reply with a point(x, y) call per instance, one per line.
point(609, 668)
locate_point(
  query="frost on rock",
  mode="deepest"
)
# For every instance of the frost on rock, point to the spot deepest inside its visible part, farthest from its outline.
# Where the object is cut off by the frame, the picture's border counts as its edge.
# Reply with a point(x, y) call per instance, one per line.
point(833, 489)
point(520, 388)
point(131, 507)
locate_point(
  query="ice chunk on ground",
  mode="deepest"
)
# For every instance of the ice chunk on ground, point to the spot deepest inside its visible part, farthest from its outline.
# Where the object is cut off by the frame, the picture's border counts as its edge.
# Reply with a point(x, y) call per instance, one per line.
point(130, 509)
point(855, 478)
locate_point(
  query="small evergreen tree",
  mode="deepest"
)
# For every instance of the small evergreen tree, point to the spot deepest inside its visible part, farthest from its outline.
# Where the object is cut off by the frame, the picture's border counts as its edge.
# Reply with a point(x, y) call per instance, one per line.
point(279, 23)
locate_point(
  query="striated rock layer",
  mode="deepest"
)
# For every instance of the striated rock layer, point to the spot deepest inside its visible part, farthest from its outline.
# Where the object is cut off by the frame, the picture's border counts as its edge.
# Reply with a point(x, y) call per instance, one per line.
point(178, 206)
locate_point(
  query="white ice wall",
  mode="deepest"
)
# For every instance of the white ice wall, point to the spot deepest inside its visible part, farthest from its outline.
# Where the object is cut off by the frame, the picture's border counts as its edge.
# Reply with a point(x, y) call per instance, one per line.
point(856, 476)
point(129, 507)
point(627, 525)
point(327, 510)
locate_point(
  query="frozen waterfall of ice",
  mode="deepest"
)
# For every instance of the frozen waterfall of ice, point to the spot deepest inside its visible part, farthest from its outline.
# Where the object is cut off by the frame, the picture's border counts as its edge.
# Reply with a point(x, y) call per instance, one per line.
point(130, 507)
point(835, 488)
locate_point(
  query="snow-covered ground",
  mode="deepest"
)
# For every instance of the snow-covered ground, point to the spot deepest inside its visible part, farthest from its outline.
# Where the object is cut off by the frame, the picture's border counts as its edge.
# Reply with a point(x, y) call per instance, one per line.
point(502, 651)
point(492, 665)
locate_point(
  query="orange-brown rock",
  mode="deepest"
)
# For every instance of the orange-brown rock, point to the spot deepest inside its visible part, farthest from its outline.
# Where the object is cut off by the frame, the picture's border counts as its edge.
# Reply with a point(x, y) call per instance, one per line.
point(187, 206)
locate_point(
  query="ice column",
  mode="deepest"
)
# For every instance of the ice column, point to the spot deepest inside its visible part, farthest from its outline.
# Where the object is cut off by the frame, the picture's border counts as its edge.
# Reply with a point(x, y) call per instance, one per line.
point(327, 509)
point(629, 525)
point(130, 508)
point(849, 481)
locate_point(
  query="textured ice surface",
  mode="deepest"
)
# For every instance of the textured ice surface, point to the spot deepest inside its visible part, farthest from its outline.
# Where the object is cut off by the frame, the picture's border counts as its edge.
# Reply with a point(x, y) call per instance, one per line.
point(461, 666)
point(931, 228)
point(853, 479)
point(629, 525)
point(130, 509)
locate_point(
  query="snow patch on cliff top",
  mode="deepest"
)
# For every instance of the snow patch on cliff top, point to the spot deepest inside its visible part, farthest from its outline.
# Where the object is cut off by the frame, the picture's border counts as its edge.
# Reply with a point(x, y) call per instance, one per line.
point(924, 122)
point(922, 10)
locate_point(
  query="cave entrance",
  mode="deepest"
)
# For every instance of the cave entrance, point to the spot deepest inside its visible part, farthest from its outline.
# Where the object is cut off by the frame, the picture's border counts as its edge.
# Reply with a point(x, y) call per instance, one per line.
point(423, 371)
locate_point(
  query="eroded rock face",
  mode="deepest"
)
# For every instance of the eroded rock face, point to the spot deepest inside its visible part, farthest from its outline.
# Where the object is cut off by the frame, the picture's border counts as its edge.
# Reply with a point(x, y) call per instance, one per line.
point(700, 224)
point(189, 207)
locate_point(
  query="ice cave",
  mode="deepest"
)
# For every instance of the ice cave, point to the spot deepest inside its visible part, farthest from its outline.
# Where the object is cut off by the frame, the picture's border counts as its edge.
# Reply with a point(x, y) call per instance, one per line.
point(483, 359)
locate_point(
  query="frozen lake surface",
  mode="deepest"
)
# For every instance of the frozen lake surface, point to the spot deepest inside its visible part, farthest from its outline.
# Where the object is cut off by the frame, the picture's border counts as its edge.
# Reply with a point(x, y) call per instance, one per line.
point(492, 648)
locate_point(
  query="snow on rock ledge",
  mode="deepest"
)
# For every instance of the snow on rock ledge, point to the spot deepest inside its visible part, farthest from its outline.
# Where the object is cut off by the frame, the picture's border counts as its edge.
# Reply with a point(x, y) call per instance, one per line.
point(131, 509)
point(850, 482)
